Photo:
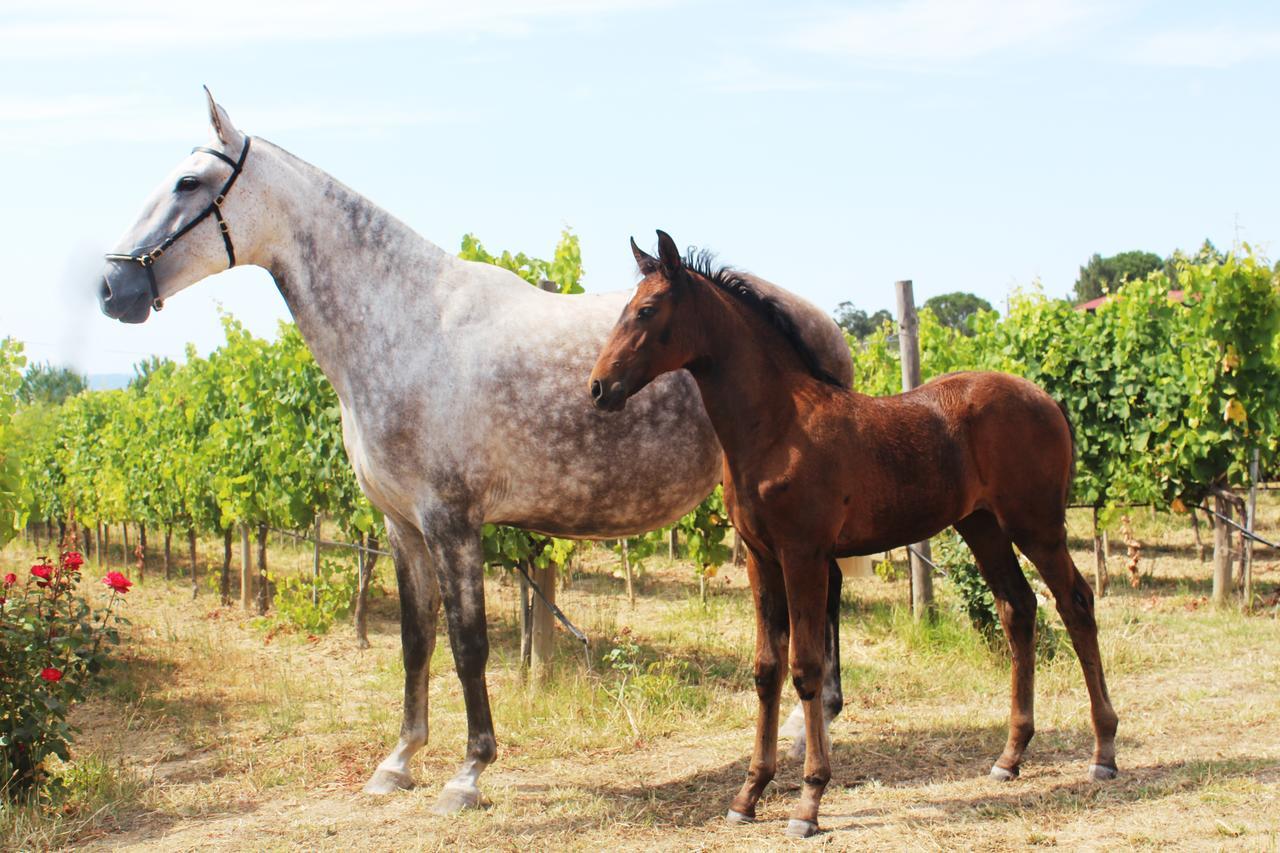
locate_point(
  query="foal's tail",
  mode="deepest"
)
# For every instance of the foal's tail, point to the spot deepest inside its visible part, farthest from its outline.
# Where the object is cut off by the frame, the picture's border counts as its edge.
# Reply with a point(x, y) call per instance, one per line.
point(1071, 473)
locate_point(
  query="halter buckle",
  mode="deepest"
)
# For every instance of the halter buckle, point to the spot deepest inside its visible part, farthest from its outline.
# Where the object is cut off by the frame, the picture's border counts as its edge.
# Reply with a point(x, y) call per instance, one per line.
point(223, 226)
point(157, 303)
point(145, 259)
point(217, 202)
point(155, 254)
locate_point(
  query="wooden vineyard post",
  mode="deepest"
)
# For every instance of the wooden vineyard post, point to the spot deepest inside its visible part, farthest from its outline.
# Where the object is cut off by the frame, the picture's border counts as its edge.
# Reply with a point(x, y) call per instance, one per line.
point(1221, 549)
point(124, 534)
point(544, 635)
point(225, 582)
point(1251, 515)
point(191, 546)
point(526, 624)
point(1099, 559)
point(264, 593)
point(365, 563)
point(671, 544)
point(246, 568)
point(909, 348)
point(142, 551)
point(315, 565)
point(626, 569)
point(168, 552)
point(97, 545)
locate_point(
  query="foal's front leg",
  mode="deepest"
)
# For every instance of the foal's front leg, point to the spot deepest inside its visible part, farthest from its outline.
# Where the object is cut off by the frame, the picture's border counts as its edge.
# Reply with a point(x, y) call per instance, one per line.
point(771, 647)
point(806, 604)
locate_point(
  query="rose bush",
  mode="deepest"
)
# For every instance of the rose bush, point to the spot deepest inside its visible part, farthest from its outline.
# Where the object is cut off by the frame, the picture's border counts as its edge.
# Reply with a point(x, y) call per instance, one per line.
point(53, 642)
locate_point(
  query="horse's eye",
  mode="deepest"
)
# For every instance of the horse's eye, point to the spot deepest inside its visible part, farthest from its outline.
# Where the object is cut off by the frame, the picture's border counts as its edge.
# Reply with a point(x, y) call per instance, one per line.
point(646, 312)
point(186, 184)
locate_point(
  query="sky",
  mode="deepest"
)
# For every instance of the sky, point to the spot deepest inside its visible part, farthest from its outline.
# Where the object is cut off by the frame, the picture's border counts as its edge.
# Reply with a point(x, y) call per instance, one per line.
point(834, 148)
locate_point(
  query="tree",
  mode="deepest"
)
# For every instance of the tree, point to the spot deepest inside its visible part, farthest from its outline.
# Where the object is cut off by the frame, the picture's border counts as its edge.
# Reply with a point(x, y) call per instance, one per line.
point(953, 310)
point(1103, 275)
point(44, 383)
point(857, 322)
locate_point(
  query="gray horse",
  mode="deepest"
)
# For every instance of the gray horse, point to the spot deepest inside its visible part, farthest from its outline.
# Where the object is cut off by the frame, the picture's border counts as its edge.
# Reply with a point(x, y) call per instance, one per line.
point(460, 389)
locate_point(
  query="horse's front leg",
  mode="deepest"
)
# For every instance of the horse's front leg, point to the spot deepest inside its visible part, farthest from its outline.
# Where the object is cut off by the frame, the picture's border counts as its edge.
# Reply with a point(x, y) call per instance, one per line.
point(458, 557)
point(419, 609)
point(806, 580)
point(771, 650)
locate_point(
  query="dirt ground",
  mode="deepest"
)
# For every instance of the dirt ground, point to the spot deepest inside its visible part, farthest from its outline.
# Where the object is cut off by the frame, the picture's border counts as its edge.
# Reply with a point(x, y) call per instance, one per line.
point(216, 733)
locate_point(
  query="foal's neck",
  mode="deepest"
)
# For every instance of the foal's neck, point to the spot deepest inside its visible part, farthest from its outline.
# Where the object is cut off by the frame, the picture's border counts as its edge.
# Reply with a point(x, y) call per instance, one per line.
point(357, 280)
point(753, 382)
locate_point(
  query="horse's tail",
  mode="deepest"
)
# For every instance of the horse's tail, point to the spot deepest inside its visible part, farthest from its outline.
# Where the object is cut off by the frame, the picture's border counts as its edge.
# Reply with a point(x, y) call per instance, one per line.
point(1071, 430)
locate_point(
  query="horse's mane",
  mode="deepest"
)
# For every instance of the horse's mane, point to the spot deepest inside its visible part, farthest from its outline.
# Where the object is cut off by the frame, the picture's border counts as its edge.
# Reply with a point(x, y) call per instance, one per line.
point(702, 263)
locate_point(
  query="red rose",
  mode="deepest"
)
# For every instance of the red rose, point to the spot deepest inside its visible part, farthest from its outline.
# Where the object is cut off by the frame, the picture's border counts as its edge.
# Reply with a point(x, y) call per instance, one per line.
point(117, 582)
point(10, 579)
point(41, 570)
point(50, 673)
point(72, 560)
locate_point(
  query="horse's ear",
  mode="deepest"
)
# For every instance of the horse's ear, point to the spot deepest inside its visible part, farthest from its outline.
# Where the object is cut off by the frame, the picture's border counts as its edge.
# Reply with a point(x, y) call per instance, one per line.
point(672, 263)
point(645, 261)
point(221, 122)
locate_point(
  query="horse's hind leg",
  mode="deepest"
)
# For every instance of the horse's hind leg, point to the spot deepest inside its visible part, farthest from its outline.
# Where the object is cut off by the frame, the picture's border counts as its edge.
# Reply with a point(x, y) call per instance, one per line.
point(1016, 604)
point(832, 692)
point(419, 610)
point(1074, 599)
point(458, 559)
point(771, 649)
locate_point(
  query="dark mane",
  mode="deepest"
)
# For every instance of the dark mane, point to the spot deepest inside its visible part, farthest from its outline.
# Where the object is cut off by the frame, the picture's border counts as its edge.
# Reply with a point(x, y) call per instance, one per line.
point(702, 263)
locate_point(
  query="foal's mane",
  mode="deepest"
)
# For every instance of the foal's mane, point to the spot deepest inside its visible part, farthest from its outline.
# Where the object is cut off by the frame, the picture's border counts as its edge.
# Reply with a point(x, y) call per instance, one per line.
point(702, 264)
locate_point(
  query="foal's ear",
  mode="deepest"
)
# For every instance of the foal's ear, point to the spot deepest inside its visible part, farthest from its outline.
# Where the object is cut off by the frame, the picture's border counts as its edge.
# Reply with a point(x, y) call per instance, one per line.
point(221, 122)
point(645, 261)
point(672, 263)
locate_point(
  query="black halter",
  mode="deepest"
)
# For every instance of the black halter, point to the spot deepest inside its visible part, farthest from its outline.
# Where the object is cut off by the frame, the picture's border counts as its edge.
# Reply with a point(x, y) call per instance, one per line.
point(149, 257)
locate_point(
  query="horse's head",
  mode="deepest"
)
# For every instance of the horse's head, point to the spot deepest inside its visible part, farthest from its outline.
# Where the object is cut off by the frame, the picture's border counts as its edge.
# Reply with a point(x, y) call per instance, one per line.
point(186, 229)
point(651, 337)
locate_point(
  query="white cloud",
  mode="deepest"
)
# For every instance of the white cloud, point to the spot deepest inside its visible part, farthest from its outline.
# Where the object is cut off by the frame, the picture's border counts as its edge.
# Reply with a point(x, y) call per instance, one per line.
point(739, 74)
point(91, 27)
point(933, 32)
point(1213, 47)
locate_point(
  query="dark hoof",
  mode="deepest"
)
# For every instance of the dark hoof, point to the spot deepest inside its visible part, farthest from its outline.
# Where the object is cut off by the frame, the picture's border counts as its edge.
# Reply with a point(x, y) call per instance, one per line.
point(797, 828)
point(1000, 774)
point(388, 782)
point(456, 799)
point(1102, 773)
point(739, 817)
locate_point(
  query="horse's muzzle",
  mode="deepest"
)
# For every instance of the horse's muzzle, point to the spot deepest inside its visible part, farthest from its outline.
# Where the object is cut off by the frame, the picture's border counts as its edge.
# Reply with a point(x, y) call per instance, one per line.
point(122, 297)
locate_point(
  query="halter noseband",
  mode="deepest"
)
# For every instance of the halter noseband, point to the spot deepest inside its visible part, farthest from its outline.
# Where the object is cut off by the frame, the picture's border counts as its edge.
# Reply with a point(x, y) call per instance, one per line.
point(148, 258)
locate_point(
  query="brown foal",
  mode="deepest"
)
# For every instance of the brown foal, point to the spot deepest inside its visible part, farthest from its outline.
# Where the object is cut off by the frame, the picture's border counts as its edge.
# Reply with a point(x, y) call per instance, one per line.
point(814, 471)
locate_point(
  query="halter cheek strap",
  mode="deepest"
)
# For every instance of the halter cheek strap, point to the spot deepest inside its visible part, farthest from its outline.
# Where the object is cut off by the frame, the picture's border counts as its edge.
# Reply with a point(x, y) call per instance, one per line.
point(148, 257)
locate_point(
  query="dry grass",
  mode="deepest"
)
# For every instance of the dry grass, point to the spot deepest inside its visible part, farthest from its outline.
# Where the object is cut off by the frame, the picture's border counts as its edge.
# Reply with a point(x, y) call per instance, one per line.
point(211, 734)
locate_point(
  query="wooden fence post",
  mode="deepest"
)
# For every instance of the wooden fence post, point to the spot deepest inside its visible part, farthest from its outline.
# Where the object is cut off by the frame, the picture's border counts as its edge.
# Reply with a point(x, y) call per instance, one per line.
point(626, 568)
point(526, 624)
point(671, 543)
point(909, 349)
point(1221, 549)
point(225, 582)
point(544, 634)
point(142, 551)
point(264, 591)
point(191, 546)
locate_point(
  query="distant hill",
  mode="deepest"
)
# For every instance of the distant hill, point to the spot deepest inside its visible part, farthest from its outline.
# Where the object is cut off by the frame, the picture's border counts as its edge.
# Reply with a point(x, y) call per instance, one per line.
point(107, 381)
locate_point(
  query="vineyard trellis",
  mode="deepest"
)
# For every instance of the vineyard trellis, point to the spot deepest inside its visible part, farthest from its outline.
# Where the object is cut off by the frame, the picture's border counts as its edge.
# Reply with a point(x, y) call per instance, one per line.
point(1169, 398)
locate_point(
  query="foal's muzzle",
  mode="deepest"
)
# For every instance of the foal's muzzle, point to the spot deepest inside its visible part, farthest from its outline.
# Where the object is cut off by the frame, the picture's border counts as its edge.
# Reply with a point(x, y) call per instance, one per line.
point(608, 396)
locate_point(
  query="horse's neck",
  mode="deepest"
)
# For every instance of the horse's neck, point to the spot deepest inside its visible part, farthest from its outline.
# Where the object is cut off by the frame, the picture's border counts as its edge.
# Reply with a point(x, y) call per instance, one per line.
point(749, 376)
point(361, 285)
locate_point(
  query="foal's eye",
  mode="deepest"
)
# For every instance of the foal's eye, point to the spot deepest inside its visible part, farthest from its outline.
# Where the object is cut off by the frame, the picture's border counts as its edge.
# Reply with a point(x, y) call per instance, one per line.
point(646, 312)
point(186, 184)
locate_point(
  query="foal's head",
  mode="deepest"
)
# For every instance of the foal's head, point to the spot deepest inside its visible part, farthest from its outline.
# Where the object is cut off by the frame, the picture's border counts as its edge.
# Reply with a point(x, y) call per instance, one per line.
point(652, 337)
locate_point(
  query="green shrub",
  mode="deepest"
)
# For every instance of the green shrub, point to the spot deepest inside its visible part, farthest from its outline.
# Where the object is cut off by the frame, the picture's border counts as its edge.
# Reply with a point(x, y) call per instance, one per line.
point(334, 593)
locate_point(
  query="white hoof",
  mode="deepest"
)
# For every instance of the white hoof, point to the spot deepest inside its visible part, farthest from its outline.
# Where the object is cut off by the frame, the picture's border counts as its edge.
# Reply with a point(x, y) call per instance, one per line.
point(386, 781)
point(456, 798)
point(797, 828)
point(1102, 773)
point(999, 774)
point(738, 817)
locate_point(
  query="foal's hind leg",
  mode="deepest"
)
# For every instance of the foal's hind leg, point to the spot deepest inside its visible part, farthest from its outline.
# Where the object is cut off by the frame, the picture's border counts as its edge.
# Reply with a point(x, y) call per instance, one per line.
point(1074, 598)
point(771, 649)
point(1016, 604)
